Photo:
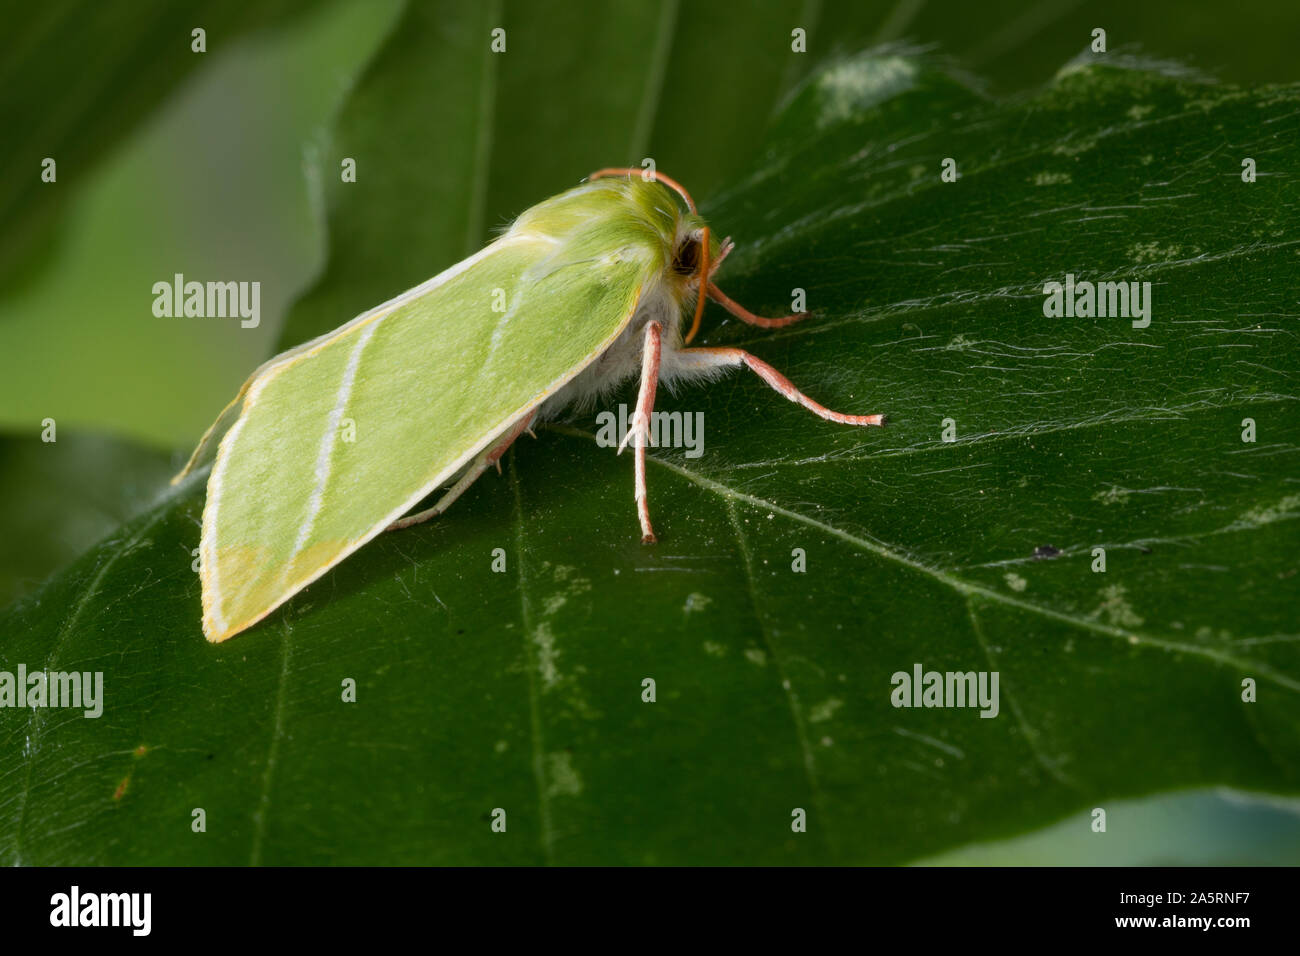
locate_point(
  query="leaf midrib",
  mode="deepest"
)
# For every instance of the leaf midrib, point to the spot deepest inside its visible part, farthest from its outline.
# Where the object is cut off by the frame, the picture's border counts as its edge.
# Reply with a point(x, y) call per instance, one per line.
point(34, 722)
point(959, 585)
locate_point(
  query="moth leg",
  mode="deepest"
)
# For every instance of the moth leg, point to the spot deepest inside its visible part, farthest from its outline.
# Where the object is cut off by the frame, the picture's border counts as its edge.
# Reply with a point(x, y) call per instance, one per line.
point(723, 251)
point(708, 266)
point(481, 464)
point(727, 357)
point(742, 313)
point(640, 430)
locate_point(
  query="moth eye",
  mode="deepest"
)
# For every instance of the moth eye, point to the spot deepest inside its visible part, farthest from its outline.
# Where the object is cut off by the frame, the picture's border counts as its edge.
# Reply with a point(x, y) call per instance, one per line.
point(686, 260)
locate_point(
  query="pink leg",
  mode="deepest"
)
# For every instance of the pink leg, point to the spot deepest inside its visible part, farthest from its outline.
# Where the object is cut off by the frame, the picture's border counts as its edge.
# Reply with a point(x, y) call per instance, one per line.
point(480, 464)
point(723, 251)
point(742, 313)
point(640, 430)
point(724, 357)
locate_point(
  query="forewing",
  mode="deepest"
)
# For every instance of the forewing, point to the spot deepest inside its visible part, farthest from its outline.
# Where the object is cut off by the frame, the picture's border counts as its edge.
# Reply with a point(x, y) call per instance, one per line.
point(339, 439)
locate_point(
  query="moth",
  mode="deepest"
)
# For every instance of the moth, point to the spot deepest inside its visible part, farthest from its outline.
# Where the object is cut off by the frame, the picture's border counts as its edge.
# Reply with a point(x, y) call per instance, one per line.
point(595, 285)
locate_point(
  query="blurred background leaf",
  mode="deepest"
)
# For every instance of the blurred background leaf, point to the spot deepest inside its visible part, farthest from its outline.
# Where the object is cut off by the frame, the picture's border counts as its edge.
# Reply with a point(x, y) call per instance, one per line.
point(213, 185)
point(58, 498)
point(78, 78)
point(1216, 828)
point(522, 690)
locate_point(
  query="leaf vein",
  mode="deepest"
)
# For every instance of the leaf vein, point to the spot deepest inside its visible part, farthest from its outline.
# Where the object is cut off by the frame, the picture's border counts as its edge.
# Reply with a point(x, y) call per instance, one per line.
point(546, 834)
point(965, 587)
point(1031, 736)
point(792, 699)
point(273, 751)
point(34, 723)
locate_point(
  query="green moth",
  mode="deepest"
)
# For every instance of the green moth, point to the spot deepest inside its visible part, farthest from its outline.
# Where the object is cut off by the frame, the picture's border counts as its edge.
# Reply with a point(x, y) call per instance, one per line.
point(594, 284)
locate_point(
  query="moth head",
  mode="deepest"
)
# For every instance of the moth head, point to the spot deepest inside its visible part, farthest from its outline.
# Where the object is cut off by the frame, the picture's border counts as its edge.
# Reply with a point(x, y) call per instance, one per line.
point(688, 251)
point(687, 255)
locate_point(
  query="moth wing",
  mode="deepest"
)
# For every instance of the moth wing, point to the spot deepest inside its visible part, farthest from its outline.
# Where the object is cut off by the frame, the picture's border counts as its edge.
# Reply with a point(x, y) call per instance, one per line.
point(338, 439)
point(224, 418)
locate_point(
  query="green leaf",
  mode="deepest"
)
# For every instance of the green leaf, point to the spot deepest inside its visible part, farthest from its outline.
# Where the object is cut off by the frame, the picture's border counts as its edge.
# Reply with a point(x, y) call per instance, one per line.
point(74, 94)
point(522, 690)
point(238, 143)
point(59, 498)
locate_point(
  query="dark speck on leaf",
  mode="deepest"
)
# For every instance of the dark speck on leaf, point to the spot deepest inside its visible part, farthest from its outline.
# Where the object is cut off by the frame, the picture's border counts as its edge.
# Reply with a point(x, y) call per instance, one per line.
point(1045, 551)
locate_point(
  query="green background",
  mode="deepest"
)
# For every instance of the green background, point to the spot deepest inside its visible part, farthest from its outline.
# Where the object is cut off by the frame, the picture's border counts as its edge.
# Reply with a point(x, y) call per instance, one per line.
point(225, 165)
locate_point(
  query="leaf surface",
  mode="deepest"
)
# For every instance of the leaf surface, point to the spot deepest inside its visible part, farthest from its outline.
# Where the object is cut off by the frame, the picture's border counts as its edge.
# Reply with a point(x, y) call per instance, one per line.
point(522, 690)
